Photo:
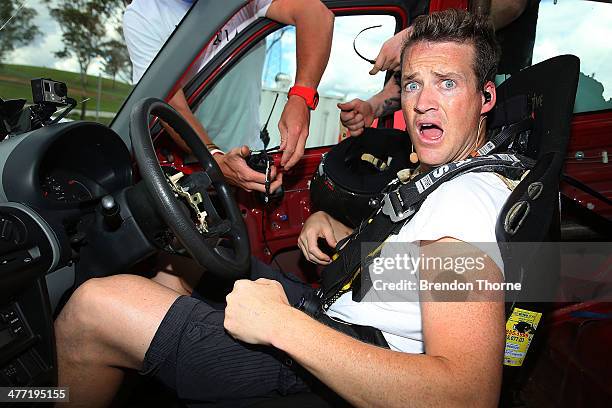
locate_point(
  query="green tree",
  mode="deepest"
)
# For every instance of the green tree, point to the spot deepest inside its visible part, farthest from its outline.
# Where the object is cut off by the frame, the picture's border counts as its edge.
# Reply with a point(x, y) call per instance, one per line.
point(83, 24)
point(116, 60)
point(16, 26)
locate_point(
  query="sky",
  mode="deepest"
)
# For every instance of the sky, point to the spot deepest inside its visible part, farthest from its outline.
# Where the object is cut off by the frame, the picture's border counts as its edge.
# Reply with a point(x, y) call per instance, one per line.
point(582, 28)
point(570, 26)
point(40, 51)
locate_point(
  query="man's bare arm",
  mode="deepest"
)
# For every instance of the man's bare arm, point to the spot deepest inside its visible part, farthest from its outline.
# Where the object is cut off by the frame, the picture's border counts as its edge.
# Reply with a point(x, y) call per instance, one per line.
point(388, 100)
point(179, 102)
point(503, 12)
point(358, 114)
point(463, 343)
point(367, 375)
point(321, 225)
point(462, 365)
point(314, 25)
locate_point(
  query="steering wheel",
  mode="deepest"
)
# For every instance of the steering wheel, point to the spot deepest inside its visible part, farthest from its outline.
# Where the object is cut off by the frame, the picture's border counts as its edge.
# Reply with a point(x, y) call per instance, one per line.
point(184, 202)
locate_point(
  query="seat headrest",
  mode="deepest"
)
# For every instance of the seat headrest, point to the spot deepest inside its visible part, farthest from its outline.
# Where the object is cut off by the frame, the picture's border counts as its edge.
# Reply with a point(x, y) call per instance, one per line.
point(550, 87)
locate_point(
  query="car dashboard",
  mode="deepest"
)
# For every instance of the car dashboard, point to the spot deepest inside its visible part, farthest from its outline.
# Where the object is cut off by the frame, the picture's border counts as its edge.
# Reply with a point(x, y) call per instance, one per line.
point(52, 181)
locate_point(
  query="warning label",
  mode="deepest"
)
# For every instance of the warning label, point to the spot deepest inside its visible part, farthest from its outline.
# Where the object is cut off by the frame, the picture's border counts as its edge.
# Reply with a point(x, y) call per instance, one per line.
point(520, 328)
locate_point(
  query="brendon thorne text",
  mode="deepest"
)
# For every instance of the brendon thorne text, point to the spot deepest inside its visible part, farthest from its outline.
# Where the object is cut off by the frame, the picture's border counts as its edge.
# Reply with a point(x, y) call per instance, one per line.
point(422, 284)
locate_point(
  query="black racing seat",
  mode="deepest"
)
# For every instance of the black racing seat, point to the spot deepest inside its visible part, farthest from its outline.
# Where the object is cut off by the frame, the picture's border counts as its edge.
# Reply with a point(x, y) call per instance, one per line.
point(531, 213)
point(530, 218)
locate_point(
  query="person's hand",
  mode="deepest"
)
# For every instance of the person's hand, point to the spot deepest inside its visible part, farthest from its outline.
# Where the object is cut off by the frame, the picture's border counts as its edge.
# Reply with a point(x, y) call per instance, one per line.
point(293, 127)
point(390, 53)
point(255, 309)
point(356, 115)
point(320, 225)
point(238, 173)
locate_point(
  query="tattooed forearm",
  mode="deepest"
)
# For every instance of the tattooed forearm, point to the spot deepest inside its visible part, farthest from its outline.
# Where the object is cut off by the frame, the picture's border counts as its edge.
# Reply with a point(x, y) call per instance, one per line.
point(388, 100)
point(393, 102)
point(389, 106)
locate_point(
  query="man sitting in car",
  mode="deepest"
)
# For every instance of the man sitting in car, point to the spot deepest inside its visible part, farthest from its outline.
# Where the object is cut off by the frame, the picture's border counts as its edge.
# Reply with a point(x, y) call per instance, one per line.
point(440, 353)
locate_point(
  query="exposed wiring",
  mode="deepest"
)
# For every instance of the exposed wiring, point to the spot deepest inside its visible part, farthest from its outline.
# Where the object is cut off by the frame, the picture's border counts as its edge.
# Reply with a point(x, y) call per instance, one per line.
point(371, 61)
point(263, 134)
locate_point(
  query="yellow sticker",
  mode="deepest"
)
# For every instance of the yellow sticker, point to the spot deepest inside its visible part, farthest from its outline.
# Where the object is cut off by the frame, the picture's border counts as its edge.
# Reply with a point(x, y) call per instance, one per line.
point(520, 328)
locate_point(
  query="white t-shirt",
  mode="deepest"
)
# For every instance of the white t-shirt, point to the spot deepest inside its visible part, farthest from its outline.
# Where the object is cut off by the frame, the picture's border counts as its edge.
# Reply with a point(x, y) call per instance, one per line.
point(147, 24)
point(465, 208)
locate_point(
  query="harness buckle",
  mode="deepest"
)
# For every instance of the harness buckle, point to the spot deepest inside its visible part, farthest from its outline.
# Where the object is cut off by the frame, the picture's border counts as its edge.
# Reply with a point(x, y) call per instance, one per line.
point(390, 211)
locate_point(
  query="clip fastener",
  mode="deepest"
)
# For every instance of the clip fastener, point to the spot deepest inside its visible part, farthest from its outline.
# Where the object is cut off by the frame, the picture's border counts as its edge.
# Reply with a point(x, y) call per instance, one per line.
point(389, 211)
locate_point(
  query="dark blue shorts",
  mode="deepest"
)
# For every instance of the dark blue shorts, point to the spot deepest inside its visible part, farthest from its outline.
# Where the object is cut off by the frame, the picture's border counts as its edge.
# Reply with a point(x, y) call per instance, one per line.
point(192, 354)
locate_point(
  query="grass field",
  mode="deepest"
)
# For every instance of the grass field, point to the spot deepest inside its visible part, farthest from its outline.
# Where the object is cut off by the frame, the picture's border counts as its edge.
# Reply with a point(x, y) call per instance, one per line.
point(15, 83)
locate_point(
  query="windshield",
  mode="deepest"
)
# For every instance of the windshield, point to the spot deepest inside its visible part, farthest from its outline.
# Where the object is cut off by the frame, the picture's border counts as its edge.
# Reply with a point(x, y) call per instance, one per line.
point(48, 39)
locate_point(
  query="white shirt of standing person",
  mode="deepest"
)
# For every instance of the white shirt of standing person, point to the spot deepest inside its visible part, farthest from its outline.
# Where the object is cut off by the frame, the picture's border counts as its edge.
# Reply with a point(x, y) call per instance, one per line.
point(147, 24)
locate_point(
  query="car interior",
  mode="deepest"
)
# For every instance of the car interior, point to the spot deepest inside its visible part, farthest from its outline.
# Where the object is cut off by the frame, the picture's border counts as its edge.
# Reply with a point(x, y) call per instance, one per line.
point(81, 200)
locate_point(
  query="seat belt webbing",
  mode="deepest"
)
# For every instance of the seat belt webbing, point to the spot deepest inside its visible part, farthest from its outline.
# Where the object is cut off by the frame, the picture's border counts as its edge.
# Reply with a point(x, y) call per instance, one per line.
point(398, 207)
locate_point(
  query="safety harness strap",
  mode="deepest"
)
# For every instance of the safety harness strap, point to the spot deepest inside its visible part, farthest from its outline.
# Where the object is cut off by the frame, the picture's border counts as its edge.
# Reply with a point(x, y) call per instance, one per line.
point(398, 204)
point(505, 136)
point(398, 207)
point(344, 269)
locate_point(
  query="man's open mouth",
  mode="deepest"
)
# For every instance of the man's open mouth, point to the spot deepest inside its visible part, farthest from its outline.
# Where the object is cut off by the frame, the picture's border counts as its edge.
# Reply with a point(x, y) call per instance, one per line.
point(429, 131)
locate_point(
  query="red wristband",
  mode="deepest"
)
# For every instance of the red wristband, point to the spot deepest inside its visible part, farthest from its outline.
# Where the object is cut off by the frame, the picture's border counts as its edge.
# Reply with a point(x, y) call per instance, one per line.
point(311, 96)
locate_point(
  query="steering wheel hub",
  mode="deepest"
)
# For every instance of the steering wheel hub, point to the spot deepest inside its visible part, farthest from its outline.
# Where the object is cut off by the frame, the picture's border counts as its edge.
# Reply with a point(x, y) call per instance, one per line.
point(193, 201)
